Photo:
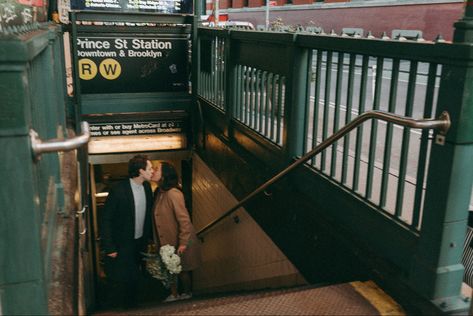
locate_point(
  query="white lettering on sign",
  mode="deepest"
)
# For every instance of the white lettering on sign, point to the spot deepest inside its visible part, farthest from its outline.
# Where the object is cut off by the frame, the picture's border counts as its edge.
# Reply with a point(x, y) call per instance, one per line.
point(96, 53)
point(92, 44)
point(150, 44)
point(121, 43)
point(147, 53)
point(136, 128)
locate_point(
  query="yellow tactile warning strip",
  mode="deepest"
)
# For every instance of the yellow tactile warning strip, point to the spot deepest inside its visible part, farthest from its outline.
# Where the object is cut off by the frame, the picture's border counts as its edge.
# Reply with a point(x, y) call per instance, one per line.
point(378, 298)
point(341, 299)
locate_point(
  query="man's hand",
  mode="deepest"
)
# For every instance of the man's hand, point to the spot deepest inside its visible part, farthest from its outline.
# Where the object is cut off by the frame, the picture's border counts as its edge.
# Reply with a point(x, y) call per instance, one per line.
point(113, 254)
point(181, 249)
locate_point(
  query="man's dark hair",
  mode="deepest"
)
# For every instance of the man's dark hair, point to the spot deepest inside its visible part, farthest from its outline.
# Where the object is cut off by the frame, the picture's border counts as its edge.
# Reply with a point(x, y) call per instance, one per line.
point(135, 164)
point(169, 177)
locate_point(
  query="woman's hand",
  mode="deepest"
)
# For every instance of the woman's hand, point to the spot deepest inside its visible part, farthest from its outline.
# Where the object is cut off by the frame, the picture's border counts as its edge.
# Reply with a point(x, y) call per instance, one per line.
point(181, 249)
point(113, 254)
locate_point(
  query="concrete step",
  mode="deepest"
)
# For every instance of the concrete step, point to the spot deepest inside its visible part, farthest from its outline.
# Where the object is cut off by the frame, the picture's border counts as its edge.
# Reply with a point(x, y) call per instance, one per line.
point(355, 298)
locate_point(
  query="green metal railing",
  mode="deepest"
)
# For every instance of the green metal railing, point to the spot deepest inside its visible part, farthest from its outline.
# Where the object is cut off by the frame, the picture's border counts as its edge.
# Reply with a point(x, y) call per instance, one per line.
point(289, 92)
point(380, 163)
point(259, 101)
point(442, 124)
point(33, 98)
point(212, 78)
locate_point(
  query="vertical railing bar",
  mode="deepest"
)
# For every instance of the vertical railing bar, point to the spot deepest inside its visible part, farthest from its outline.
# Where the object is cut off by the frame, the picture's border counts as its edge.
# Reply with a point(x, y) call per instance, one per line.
point(279, 112)
point(359, 130)
point(261, 102)
point(234, 83)
point(204, 85)
point(210, 87)
point(199, 89)
point(389, 132)
point(255, 98)
point(241, 92)
point(217, 73)
point(307, 101)
point(236, 107)
point(254, 86)
point(210, 74)
point(203, 94)
point(223, 63)
point(266, 104)
point(257, 101)
point(219, 78)
point(221, 75)
point(212, 92)
point(252, 99)
point(346, 139)
point(273, 106)
point(315, 122)
point(224, 83)
point(406, 139)
point(207, 86)
point(374, 128)
point(428, 107)
point(328, 82)
point(336, 114)
point(247, 95)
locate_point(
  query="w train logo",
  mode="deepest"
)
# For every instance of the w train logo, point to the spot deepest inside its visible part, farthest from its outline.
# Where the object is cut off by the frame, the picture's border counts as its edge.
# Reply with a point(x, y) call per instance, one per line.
point(109, 69)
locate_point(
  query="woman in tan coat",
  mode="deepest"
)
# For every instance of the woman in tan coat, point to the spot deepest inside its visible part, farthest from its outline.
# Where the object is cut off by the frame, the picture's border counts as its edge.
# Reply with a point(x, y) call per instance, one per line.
point(173, 226)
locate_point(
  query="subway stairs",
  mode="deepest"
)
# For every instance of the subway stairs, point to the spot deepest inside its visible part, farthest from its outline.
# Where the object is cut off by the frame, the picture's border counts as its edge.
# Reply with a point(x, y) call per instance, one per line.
point(355, 298)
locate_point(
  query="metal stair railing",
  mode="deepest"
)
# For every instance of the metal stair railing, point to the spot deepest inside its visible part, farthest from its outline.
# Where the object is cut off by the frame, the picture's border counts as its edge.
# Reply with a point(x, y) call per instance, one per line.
point(442, 124)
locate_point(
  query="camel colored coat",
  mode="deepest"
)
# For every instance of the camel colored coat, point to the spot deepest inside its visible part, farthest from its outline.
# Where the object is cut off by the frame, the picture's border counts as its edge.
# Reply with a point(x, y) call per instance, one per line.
point(174, 227)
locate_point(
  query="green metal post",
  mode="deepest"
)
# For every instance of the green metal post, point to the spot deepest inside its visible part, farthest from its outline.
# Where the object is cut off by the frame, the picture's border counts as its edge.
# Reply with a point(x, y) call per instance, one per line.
point(195, 72)
point(22, 287)
point(229, 87)
point(296, 92)
point(438, 272)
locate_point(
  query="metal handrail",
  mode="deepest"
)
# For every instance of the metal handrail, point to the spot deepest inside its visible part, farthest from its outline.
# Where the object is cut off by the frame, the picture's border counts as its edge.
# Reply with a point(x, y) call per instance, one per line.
point(442, 124)
point(38, 146)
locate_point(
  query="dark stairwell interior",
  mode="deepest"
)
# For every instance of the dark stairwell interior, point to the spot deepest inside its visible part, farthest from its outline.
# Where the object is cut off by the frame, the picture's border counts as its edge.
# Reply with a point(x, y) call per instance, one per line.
point(272, 257)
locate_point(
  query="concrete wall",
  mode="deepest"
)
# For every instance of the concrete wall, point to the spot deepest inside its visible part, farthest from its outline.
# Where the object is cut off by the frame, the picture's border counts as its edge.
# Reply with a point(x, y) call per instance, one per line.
point(235, 256)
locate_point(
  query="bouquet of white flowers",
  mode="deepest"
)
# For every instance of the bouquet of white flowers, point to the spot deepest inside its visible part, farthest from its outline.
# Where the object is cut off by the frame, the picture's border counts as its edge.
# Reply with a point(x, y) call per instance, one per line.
point(164, 266)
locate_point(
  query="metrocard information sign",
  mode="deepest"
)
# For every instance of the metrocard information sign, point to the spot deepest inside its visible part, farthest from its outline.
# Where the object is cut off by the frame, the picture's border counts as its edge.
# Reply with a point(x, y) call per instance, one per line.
point(134, 6)
point(129, 64)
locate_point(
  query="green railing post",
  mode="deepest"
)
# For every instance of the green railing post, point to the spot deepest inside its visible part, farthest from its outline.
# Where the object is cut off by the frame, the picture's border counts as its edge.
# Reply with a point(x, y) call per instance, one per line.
point(195, 72)
point(437, 272)
point(296, 95)
point(22, 285)
point(229, 85)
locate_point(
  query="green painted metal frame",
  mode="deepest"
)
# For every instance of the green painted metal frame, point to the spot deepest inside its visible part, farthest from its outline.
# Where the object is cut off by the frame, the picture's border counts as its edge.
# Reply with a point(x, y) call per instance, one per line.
point(32, 80)
point(177, 25)
point(430, 260)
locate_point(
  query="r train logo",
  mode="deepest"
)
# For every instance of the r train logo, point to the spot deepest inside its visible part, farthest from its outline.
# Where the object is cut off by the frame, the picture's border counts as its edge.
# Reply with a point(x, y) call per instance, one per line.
point(109, 69)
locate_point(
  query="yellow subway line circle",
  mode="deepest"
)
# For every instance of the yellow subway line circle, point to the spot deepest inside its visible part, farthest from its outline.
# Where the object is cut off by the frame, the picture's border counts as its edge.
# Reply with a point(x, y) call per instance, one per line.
point(87, 69)
point(110, 69)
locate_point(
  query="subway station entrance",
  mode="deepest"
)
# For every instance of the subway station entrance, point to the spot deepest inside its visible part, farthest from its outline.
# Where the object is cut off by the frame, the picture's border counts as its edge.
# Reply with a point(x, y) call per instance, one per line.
point(317, 167)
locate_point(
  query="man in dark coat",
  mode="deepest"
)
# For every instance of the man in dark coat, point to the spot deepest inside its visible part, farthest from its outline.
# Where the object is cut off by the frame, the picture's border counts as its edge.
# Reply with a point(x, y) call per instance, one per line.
point(126, 229)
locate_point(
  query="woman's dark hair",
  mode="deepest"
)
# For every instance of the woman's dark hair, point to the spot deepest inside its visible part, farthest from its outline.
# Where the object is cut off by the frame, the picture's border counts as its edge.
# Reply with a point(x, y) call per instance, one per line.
point(169, 177)
point(135, 164)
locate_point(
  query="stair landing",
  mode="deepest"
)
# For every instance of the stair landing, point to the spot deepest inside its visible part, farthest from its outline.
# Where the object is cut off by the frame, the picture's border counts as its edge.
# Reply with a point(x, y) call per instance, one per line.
point(356, 298)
